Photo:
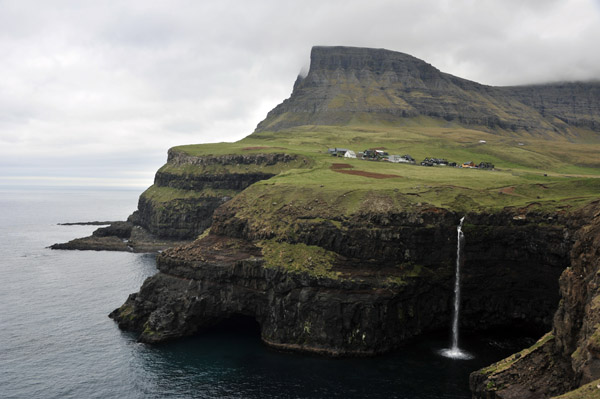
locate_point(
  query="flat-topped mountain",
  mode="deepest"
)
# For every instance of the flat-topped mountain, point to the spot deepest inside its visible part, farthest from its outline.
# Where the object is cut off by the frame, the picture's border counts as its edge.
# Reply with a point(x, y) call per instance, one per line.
point(347, 85)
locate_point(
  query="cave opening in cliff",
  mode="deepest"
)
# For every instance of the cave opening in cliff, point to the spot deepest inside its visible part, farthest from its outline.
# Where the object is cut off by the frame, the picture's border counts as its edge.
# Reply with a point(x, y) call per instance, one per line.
point(238, 324)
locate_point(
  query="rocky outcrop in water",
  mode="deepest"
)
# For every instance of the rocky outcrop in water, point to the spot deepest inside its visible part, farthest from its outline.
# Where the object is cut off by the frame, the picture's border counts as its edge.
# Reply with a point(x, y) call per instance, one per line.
point(119, 236)
point(180, 205)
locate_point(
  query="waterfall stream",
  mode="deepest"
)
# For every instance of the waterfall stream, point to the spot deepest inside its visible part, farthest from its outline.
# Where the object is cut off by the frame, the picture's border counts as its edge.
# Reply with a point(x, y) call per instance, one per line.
point(454, 351)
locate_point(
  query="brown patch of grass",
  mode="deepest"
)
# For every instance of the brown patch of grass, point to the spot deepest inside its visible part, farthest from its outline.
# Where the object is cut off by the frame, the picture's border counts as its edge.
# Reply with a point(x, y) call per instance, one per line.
point(507, 190)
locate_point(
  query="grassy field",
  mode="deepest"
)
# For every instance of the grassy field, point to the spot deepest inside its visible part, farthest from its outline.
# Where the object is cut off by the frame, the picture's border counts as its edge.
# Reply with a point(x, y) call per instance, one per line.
point(528, 171)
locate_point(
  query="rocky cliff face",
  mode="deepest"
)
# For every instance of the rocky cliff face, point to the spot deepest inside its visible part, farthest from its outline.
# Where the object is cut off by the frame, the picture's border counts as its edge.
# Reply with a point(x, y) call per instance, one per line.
point(188, 189)
point(572, 104)
point(347, 84)
point(569, 357)
point(387, 284)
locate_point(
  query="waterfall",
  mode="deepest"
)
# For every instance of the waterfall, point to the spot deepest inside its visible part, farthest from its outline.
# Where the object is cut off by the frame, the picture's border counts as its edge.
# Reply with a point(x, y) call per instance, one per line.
point(454, 351)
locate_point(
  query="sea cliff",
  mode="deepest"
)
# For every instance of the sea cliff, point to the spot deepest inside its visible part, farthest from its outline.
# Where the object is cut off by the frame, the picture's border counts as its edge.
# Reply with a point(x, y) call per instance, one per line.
point(568, 357)
point(391, 279)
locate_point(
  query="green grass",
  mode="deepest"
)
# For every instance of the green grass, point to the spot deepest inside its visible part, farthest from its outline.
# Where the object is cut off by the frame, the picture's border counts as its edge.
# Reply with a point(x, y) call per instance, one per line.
point(509, 361)
point(587, 391)
point(299, 258)
point(167, 194)
point(572, 168)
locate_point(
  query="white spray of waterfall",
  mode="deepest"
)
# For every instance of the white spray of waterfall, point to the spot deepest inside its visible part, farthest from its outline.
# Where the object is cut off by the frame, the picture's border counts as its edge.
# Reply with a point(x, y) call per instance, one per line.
point(456, 314)
point(455, 352)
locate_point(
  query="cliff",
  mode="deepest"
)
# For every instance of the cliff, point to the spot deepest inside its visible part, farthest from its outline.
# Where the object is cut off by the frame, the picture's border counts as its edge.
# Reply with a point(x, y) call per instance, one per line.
point(354, 289)
point(189, 188)
point(186, 192)
point(346, 85)
point(568, 357)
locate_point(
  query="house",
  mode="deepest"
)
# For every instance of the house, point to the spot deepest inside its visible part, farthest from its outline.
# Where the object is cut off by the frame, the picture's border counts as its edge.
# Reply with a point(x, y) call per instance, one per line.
point(482, 141)
point(434, 161)
point(401, 159)
point(469, 164)
point(337, 152)
point(374, 154)
point(350, 154)
point(369, 154)
point(486, 165)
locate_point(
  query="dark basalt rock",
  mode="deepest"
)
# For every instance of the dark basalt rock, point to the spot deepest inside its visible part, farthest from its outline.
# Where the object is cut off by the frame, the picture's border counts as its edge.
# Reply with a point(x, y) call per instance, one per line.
point(117, 229)
point(229, 181)
point(294, 311)
point(510, 276)
point(119, 236)
point(575, 104)
point(187, 217)
point(570, 357)
point(181, 218)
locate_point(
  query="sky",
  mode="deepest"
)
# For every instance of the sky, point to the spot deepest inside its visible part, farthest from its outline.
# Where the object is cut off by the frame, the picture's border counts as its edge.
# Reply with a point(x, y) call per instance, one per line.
point(94, 93)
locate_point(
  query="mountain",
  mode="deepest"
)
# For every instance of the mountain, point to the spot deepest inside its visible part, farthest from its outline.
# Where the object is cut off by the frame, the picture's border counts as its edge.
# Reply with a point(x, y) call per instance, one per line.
point(346, 85)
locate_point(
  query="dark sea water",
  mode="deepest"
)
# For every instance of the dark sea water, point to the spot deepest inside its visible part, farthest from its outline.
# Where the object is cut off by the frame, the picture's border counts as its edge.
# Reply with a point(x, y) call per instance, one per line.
point(56, 340)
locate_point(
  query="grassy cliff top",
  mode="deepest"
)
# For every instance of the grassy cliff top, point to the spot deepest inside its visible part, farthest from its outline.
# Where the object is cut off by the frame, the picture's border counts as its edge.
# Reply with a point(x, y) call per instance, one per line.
point(550, 174)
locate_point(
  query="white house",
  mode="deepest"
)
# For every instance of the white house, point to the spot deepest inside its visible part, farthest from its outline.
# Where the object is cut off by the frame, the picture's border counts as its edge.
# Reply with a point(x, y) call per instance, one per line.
point(350, 154)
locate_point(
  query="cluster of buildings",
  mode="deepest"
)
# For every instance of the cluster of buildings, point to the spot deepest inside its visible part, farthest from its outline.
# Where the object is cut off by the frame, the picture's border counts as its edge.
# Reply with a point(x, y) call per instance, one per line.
point(380, 155)
point(371, 154)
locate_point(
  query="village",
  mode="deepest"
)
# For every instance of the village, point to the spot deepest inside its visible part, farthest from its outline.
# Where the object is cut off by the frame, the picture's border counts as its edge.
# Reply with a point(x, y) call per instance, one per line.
point(380, 155)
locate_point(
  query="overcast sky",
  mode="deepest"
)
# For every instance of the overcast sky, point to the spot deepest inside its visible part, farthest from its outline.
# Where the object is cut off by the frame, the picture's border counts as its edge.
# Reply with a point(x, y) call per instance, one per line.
point(95, 92)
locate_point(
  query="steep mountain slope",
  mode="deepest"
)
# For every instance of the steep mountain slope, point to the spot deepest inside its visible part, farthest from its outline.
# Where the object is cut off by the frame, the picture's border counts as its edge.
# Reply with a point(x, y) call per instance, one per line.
point(347, 85)
point(573, 104)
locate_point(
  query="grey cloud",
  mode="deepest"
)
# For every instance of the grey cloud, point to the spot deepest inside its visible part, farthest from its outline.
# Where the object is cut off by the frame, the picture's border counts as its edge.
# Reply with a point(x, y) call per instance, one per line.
point(136, 77)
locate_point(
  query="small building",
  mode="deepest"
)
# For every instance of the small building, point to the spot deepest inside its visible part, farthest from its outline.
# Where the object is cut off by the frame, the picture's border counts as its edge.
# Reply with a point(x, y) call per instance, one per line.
point(350, 154)
point(369, 154)
point(374, 154)
point(337, 152)
point(401, 159)
point(434, 162)
point(482, 141)
point(485, 165)
point(469, 164)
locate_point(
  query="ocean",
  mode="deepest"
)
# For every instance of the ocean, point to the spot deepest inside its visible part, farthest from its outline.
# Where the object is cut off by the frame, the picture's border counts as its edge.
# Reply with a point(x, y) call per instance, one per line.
point(56, 340)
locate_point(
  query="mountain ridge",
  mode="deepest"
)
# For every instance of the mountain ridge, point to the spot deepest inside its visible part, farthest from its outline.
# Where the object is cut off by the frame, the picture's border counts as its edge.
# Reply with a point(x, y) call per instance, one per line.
point(345, 84)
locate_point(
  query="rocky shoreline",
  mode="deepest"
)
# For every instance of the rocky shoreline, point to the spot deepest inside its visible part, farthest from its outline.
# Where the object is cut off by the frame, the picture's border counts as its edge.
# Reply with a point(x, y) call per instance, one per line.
point(118, 236)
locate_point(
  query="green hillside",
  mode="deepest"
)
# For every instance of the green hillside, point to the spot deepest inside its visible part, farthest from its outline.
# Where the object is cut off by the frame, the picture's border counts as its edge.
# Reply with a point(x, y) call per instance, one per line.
point(535, 172)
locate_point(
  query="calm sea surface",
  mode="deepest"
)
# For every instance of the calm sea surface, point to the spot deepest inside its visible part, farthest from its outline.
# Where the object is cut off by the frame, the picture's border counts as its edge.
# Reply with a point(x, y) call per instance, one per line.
point(56, 340)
